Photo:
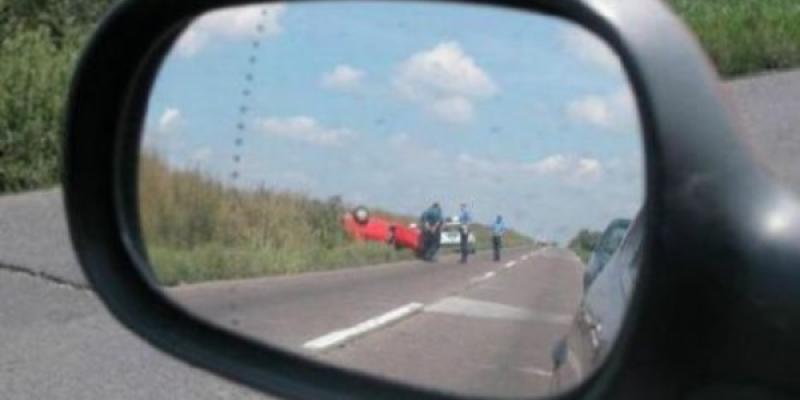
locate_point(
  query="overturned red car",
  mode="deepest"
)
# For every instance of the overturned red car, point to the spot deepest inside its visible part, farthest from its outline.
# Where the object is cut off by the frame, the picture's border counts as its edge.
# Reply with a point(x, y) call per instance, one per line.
point(361, 226)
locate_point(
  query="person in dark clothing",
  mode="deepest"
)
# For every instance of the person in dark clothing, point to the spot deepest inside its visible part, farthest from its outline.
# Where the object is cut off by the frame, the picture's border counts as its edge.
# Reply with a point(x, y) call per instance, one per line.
point(464, 219)
point(431, 222)
point(498, 229)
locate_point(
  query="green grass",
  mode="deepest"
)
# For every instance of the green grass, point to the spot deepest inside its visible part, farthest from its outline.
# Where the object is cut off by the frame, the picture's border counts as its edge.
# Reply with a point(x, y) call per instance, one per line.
point(745, 36)
point(213, 261)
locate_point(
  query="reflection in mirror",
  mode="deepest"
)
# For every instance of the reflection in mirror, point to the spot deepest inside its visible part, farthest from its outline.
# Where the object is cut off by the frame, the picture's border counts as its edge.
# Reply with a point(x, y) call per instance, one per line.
point(394, 188)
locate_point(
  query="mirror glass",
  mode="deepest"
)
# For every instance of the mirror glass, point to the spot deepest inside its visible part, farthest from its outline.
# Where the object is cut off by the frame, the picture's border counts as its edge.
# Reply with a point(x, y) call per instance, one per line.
point(445, 195)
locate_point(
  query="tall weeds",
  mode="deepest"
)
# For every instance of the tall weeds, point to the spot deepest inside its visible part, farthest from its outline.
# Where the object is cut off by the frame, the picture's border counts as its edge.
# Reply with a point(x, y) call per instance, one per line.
point(197, 229)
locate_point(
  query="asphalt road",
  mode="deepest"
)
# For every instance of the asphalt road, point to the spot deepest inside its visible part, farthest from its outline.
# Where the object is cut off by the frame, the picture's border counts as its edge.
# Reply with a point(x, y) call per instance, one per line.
point(768, 108)
point(481, 328)
point(58, 342)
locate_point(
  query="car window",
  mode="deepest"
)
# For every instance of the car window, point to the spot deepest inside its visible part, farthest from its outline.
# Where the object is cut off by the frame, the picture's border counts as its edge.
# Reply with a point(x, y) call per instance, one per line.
point(613, 239)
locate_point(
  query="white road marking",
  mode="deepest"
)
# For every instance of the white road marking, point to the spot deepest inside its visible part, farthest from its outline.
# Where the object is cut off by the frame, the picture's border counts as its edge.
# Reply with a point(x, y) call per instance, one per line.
point(525, 257)
point(484, 309)
point(575, 364)
point(538, 371)
point(526, 370)
point(510, 264)
point(488, 275)
point(341, 336)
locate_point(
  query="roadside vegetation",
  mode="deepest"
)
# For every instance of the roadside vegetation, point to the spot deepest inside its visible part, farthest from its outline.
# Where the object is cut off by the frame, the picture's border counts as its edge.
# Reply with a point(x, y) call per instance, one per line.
point(511, 239)
point(745, 36)
point(196, 229)
point(39, 44)
point(584, 243)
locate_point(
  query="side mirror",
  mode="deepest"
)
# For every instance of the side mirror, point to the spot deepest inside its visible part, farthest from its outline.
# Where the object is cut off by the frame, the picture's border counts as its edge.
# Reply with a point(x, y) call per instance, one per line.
point(716, 263)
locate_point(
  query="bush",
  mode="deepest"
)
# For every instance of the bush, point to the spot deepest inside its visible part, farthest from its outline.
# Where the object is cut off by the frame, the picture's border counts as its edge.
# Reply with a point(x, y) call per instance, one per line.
point(39, 43)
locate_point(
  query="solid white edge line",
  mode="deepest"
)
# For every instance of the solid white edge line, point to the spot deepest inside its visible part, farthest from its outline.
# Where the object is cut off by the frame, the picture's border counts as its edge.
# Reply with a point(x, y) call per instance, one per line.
point(339, 337)
point(482, 278)
point(540, 372)
point(573, 362)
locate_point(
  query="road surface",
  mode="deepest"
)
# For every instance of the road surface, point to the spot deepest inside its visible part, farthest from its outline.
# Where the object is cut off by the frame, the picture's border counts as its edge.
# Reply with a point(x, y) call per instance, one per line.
point(482, 328)
point(58, 342)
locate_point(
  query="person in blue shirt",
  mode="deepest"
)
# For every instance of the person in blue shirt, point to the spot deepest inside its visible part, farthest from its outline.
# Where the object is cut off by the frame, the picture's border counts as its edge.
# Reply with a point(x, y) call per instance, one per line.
point(498, 229)
point(431, 223)
point(464, 218)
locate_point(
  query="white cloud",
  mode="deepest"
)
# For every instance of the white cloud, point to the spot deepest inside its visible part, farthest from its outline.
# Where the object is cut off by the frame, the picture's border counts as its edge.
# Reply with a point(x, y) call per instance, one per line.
point(443, 70)
point(453, 109)
point(588, 167)
point(556, 163)
point(615, 112)
point(343, 77)
point(191, 42)
point(564, 166)
point(233, 23)
point(590, 48)
point(169, 121)
point(592, 109)
point(567, 166)
point(305, 129)
point(444, 80)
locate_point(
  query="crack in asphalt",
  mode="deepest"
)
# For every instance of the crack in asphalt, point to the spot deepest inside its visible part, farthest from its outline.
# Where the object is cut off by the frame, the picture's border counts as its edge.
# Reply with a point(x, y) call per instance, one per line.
point(45, 277)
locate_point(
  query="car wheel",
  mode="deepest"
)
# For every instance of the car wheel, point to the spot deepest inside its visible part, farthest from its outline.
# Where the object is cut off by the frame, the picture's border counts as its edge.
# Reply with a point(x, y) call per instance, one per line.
point(361, 215)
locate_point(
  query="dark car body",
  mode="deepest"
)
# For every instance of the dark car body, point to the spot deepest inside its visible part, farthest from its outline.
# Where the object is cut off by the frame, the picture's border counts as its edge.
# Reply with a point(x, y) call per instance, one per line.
point(599, 315)
point(605, 248)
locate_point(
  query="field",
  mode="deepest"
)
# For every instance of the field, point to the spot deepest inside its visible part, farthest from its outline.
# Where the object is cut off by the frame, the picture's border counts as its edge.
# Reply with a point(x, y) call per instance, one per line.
point(197, 229)
point(745, 36)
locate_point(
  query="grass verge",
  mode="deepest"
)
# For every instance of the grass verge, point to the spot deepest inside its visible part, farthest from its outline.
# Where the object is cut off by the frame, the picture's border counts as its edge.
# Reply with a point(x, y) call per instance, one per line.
point(745, 36)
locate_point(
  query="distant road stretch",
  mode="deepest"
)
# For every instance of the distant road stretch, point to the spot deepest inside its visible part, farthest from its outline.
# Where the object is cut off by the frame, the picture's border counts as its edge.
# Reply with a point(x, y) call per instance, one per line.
point(484, 327)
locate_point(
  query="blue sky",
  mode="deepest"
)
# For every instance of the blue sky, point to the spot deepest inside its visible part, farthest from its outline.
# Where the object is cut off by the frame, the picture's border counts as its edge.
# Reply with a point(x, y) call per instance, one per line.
point(397, 105)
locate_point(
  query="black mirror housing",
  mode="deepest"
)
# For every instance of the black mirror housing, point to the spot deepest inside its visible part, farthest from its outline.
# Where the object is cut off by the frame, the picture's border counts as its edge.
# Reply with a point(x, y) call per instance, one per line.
point(717, 307)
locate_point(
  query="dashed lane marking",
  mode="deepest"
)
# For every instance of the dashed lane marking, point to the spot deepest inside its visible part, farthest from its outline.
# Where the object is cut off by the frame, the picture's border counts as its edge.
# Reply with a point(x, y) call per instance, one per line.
point(339, 337)
point(477, 279)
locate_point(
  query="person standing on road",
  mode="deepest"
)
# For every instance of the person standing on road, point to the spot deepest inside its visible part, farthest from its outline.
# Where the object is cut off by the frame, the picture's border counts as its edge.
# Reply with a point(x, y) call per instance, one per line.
point(464, 219)
point(498, 229)
point(431, 222)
